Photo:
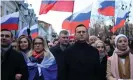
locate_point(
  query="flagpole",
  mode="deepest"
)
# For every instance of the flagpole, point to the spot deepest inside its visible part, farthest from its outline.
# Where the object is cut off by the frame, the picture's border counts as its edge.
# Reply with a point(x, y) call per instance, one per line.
point(127, 20)
point(99, 17)
point(116, 17)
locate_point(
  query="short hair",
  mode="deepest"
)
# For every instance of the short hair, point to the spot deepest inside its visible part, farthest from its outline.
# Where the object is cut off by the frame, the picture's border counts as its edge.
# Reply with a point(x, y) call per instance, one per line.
point(65, 32)
point(55, 40)
point(113, 35)
point(80, 26)
point(8, 31)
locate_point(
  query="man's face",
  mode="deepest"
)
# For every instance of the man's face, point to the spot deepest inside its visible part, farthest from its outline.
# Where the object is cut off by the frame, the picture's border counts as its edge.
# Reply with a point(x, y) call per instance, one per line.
point(14, 45)
point(71, 41)
point(64, 39)
point(6, 38)
point(113, 39)
point(81, 33)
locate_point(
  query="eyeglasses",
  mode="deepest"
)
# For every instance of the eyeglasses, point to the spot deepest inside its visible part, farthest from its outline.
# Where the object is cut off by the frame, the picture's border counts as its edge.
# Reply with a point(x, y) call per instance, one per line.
point(7, 36)
point(38, 43)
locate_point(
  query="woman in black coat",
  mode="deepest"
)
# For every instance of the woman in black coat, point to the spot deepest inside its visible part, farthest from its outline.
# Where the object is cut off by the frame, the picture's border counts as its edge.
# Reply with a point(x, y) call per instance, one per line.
point(103, 58)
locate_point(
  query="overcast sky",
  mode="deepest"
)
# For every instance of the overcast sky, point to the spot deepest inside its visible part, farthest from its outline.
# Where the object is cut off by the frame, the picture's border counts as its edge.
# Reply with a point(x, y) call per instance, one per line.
point(56, 18)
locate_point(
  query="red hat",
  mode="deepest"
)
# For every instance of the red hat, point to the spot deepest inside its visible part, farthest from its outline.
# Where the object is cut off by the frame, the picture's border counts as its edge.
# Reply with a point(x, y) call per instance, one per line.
point(71, 37)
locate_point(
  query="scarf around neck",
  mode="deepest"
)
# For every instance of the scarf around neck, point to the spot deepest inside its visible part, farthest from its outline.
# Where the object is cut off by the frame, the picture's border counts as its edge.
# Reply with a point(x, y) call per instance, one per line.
point(114, 62)
point(121, 53)
point(37, 55)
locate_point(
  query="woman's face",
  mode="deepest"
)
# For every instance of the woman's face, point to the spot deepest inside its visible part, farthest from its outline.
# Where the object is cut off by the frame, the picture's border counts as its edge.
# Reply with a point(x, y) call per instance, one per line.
point(24, 44)
point(38, 45)
point(100, 47)
point(122, 43)
point(92, 40)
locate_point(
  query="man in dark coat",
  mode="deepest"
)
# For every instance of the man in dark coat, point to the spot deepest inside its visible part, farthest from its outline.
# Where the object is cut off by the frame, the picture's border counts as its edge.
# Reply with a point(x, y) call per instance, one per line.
point(57, 50)
point(81, 61)
point(13, 65)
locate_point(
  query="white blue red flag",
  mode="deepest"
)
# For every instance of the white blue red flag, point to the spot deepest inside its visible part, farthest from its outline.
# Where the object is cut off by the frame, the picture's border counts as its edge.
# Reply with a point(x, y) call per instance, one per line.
point(81, 17)
point(120, 19)
point(107, 8)
point(56, 5)
point(10, 21)
point(33, 31)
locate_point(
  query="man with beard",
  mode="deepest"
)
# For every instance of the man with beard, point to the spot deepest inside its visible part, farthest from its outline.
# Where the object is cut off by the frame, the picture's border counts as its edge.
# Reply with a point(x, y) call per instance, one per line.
point(57, 50)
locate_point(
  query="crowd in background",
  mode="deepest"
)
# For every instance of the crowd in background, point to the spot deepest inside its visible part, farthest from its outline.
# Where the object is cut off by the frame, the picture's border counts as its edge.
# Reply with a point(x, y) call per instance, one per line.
point(77, 57)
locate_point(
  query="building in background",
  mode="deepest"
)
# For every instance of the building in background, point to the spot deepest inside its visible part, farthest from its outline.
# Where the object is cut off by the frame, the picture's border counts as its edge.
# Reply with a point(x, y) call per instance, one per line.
point(27, 16)
point(46, 30)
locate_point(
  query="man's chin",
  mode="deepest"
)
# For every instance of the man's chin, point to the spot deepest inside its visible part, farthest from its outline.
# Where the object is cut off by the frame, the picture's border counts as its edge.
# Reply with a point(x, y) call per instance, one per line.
point(4, 45)
point(65, 44)
point(82, 40)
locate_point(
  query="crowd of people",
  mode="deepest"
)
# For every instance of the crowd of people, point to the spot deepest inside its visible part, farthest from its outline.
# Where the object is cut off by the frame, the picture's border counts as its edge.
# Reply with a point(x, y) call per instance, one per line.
point(78, 57)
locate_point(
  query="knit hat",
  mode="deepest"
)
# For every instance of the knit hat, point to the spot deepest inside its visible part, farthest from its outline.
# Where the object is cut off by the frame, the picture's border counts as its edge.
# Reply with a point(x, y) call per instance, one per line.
point(118, 36)
point(71, 37)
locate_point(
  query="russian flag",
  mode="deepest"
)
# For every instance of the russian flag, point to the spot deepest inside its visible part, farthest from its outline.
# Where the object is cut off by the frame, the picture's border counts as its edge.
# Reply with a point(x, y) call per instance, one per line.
point(56, 5)
point(81, 17)
point(33, 31)
point(10, 21)
point(120, 20)
point(107, 8)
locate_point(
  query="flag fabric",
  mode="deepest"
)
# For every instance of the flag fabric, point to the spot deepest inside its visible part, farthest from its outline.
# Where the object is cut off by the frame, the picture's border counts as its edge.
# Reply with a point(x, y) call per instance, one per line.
point(81, 17)
point(10, 21)
point(120, 20)
point(56, 5)
point(107, 8)
point(33, 31)
point(47, 68)
point(46, 5)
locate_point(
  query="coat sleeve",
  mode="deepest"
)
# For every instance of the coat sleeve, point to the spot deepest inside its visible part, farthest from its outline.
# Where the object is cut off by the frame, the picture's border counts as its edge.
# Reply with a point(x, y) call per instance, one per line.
point(109, 74)
point(63, 68)
point(23, 69)
point(97, 66)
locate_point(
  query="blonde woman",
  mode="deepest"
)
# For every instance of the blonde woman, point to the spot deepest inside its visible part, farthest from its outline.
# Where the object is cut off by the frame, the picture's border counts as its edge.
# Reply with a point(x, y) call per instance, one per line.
point(24, 46)
point(42, 65)
point(103, 57)
point(120, 64)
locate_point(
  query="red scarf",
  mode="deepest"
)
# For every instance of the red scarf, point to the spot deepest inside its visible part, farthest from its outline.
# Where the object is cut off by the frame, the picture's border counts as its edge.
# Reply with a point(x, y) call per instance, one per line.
point(37, 55)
